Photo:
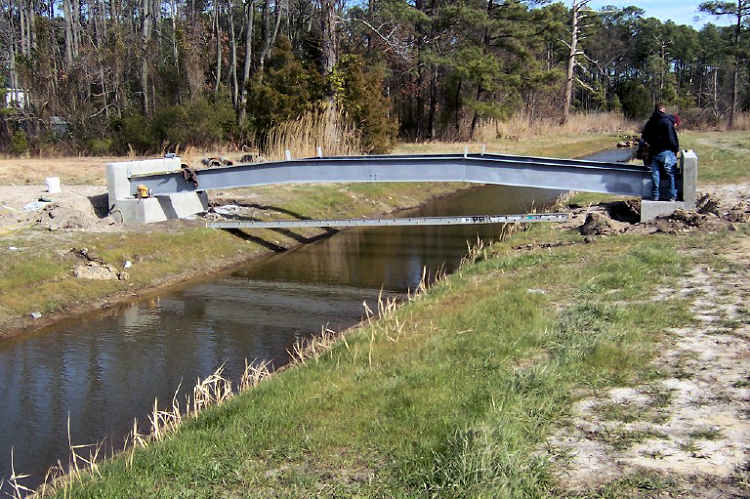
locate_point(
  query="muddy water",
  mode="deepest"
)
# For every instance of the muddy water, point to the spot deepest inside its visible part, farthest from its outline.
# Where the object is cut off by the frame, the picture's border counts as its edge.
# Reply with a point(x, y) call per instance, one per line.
point(101, 372)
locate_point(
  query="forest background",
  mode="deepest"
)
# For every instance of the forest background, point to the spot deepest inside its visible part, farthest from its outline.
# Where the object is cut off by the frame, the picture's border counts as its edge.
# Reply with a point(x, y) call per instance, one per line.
point(150, 76)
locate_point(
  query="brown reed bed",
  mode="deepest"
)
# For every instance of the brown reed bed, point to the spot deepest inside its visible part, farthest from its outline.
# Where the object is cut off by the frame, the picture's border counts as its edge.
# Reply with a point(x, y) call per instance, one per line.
point(522, 126)
point(326, 128)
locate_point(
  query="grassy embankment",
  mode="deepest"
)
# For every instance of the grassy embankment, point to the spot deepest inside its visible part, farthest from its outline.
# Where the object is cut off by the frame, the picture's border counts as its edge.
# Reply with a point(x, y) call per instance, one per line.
point(39, 278)
point(451, 394)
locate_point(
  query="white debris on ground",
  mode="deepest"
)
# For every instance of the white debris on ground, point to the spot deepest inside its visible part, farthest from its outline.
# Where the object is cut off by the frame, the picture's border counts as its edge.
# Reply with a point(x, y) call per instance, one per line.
point(693, 423)
point(229, 209)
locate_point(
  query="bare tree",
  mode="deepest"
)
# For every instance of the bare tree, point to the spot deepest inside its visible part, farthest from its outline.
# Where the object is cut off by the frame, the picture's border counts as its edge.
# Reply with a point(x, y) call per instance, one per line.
point(328, 35)
point(146, 27)
point(249, 21)
point(573, 53)
point(740, 10)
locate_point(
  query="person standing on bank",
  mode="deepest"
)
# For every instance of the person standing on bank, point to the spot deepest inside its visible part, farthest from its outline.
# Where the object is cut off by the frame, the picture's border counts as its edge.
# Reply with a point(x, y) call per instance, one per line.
point(663, 146)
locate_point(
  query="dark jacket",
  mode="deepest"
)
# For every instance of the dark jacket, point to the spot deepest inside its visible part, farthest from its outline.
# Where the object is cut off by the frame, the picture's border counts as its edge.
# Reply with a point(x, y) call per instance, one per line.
point(660, 135)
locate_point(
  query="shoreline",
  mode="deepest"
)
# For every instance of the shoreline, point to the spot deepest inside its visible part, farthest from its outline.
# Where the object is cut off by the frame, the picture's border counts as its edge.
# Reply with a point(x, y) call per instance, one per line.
point(21, 326)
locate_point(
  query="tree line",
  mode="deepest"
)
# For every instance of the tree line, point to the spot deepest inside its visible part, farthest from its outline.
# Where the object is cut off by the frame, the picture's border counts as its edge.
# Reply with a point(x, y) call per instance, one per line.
point(105, 76)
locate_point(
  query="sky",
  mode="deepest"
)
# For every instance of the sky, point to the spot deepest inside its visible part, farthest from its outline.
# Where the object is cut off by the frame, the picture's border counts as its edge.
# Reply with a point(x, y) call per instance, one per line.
point(679, 11)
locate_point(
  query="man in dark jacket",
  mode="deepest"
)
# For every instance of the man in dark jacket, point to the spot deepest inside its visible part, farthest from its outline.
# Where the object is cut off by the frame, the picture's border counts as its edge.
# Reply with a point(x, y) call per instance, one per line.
point(663, 146)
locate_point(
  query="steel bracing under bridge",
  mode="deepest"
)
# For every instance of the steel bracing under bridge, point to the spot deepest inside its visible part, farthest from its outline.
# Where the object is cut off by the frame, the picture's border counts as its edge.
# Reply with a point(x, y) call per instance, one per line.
point(521, 171)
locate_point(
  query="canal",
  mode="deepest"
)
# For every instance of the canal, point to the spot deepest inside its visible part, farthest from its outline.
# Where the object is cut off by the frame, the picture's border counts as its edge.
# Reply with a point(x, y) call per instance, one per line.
point(100, 372)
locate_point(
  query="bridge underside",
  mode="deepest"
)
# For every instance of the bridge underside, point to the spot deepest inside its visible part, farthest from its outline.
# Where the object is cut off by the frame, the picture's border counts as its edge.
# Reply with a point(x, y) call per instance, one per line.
point(520, 171)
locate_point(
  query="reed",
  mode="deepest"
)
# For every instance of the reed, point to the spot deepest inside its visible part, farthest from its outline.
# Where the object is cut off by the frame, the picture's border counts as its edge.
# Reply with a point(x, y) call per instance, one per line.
point(522, 126)
point(254, 374)
point(212, 391)
point(18, 490)
point(326, 128)
point(741, 121)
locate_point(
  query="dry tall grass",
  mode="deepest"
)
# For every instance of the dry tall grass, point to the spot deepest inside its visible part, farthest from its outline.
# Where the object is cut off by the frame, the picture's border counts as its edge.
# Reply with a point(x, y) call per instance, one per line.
point(522, 126)
point(326, 128)
point(741, 121)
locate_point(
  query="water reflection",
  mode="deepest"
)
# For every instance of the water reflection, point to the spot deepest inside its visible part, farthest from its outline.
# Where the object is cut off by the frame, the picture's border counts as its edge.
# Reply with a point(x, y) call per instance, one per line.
point(393, 257)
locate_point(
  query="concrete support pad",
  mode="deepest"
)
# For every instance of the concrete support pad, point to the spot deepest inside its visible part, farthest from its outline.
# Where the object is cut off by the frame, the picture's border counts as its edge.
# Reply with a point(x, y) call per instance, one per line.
point(689, 167)
point(653, 209)
point(118, 175)
point(183, 204)
point(159, 209)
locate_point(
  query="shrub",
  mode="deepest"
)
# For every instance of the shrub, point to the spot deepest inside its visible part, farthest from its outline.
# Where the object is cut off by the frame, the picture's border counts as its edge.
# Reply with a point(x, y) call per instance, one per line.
point(636, 100)
point(361, 96)
point(201, 122)
point(134, 130)
point(286, 90)
point(100, 146)
point(19, 143)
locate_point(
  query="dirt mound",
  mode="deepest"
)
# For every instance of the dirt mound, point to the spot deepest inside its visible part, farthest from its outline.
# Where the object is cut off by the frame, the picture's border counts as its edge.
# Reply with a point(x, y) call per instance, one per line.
point(711, 214)
point(739, 213)
point(94, 268)
point(77, 207)
point(95, 271)
point(684, 221)
point(55, 216)
point(599, 224)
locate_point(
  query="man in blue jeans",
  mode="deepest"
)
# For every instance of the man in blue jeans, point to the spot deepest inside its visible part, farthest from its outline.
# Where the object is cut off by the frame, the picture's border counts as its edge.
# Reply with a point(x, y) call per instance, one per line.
point(663, 146)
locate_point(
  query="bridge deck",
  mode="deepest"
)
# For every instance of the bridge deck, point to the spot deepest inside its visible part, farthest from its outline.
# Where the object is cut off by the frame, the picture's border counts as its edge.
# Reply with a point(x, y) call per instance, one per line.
point(522, 171)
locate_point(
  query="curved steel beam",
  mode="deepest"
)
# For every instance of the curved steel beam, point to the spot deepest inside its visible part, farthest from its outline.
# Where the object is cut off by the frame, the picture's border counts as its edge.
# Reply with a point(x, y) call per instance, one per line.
point(521, 171)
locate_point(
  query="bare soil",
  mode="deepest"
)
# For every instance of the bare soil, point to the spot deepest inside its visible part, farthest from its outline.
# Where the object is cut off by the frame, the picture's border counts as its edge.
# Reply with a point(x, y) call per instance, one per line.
point(77, 207)
point(691, 426)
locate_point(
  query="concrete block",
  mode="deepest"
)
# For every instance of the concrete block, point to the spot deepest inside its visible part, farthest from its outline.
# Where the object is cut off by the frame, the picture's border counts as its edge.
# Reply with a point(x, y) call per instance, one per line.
point(119, 173)
point(131, 211)
point(689, 167)
point(652, 209)
point(183, 204)
point(151, 166)
point(118, 183)
point(160, 208)
point(689, 175)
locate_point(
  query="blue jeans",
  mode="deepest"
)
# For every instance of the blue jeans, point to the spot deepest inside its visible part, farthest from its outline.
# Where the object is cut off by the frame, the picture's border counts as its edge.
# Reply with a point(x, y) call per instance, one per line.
point(665, 160)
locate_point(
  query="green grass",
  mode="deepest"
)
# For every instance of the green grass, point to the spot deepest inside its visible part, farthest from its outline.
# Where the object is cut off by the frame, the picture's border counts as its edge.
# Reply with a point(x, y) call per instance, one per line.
point(463, 386)
point(722, 156)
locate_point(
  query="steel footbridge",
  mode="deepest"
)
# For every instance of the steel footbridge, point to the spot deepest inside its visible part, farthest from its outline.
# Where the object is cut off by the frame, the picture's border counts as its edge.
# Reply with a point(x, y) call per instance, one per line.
point(176, 192)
